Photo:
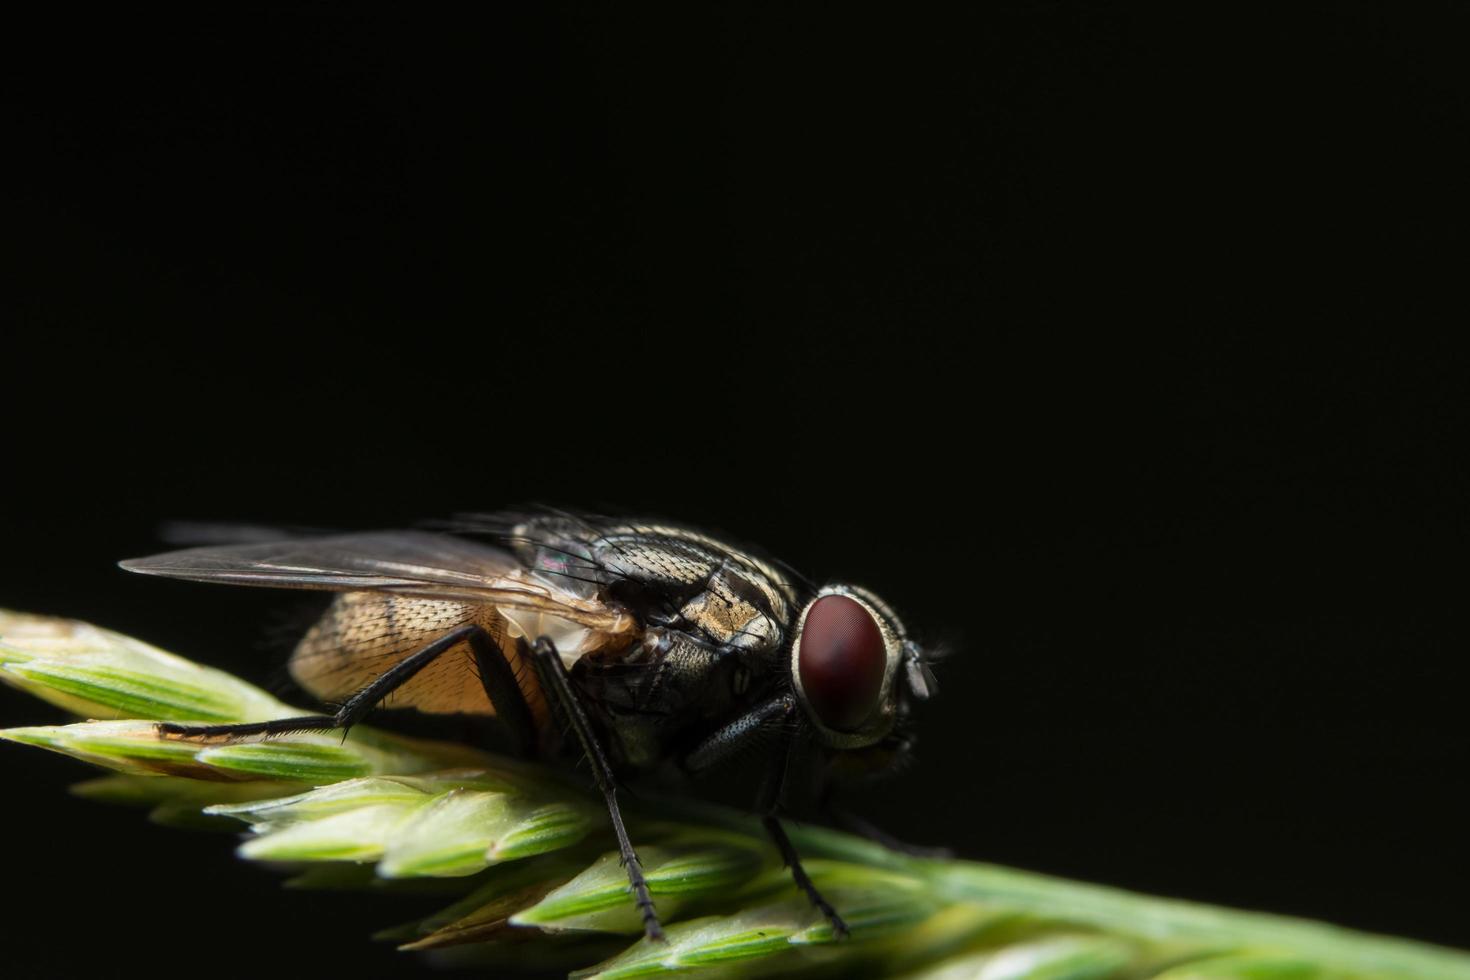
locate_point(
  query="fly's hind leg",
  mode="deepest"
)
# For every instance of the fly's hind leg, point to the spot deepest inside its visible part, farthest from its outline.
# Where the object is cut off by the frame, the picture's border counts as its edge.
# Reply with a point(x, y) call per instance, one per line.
point(504, 692)
point(509, 703)
point(559, 690)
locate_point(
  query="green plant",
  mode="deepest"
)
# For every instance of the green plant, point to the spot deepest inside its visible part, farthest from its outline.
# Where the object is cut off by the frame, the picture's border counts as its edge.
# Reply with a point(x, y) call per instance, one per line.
point(525, 850)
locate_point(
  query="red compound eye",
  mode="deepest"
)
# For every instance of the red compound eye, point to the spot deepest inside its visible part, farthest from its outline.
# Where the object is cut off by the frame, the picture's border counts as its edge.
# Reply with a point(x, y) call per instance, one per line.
point(841, 661)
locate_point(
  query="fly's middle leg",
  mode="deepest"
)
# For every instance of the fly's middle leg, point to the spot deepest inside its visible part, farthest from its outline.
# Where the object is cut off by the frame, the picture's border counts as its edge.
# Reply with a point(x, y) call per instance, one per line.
point(558, 688)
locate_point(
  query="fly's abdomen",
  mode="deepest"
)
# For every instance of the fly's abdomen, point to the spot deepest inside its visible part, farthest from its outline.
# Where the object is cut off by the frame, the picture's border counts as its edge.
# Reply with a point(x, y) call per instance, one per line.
point(363, 634)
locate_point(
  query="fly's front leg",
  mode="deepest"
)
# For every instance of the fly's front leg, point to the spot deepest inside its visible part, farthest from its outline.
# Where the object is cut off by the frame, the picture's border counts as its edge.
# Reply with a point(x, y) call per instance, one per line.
point(771, 793)
point(740, 734)
point(756, 724)
point(559, 690)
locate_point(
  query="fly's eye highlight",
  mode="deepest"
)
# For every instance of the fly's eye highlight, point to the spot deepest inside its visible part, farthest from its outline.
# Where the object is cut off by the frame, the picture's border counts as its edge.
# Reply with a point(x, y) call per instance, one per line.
point(841, 660)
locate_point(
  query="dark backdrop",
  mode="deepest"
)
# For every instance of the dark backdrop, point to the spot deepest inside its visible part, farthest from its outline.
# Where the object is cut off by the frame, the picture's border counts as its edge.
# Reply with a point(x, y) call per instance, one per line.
point(1114, 345)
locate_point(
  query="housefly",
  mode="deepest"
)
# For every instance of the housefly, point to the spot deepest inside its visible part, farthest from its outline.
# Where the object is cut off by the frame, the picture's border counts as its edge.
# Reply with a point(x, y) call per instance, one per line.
point(637, 645)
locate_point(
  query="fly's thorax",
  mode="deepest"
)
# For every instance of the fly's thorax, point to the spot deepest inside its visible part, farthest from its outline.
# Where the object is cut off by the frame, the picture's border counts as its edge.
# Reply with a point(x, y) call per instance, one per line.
point(846, 655)
point(681, 675)
point(668, 576)
point(649, 697)
point(734, 612)
point(682, 554)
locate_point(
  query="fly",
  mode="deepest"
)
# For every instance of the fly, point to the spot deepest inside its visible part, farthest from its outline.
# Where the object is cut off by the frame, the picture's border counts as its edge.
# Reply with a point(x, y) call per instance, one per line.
point(651, 644)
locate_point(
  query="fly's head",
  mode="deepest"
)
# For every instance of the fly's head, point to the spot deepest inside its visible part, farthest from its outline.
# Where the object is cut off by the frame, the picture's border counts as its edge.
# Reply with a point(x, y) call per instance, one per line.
point(857, 674)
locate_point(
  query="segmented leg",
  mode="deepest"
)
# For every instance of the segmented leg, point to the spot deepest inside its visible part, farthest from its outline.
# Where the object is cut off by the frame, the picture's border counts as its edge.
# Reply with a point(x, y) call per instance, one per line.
point(559, 690)
point(798, 873)
point(504, 691)
point(757, 723)
point(770, 802)
point(495, 674)
point(739, 734)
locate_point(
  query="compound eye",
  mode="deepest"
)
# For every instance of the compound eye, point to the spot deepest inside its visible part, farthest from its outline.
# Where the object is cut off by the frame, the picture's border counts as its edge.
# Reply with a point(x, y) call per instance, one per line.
point(841, 660)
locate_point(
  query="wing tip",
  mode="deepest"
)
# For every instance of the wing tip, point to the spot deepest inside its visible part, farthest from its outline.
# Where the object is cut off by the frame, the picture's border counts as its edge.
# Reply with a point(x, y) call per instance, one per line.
point(143, 566)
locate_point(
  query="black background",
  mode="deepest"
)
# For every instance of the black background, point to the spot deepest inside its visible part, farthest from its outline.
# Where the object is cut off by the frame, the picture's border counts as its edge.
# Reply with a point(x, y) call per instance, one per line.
point(1114, 345)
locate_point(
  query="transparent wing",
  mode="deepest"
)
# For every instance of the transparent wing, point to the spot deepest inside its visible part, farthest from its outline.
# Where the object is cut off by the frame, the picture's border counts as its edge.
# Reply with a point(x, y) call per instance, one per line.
point(421, 564)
